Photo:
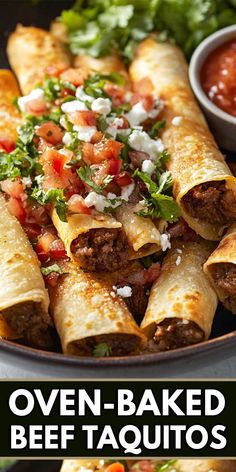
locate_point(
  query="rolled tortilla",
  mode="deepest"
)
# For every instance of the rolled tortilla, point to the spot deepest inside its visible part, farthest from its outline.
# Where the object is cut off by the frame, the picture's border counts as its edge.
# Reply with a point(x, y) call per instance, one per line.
point(220, 267)
point(79, 465)
point(182, 302)
point(204, 465)
point(30, 51)
point(203, 184)
point(9, 115)
point(23, 298)
point(87, 312)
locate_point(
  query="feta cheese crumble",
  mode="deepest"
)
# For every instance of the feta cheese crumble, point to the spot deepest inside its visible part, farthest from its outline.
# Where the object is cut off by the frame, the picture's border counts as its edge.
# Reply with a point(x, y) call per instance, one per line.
point(67, 139)
point(81, 95)
point(165, 242)
point(141, 141)
point(136, 115)
point(73, 105)
point(85, 133)
point(126, 191)
point(124, 292)
point(96, 200)
point(148, 167)
point(176, 120)
point(102, 106)
point(34, 95)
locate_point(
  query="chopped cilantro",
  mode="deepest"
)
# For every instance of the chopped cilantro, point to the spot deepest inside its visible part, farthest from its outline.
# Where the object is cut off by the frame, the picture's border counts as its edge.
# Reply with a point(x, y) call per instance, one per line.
point(154, 131)
point(55, 196)
point(102, 350)
point(17, 163)
point(52, 268)
point(86, 174)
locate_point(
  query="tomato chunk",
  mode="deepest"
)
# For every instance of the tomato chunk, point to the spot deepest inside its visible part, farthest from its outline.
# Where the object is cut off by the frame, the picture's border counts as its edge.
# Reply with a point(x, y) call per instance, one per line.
point(37, 106)
point(57, 249)
point(123, 179)
point(76, 204)
point(32, 230)
point(13, 188)
point(44, 242)
point(51, 279)
point(50, 132)
point(115, 467)
point(105, 149)
point(83, 118)
point(16, 208)
point(7, 144)
point(114, 166)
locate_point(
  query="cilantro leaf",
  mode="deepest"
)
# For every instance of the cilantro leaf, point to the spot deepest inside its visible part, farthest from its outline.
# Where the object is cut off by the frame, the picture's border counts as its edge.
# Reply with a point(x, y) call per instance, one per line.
point(102, 350)
point(154, 131)
point(17, 163)
point(85, 173)
point(52, 268)
point(166, 207)
point(150, 184)
point(55, 196)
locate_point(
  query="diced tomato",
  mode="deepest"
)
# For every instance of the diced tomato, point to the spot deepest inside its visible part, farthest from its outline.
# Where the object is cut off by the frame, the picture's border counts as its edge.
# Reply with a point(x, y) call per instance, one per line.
point(43, 256)
point(53, 71)
point(32, 230)
point(76, 204)
point(115, 467)
point(44, 242)
point(13, 188)
point(83, 118)
point(67, 91)
point(16, 208)
point(144, 86)
point(114, 166)
point(116, 94)
point(123, 179)
point(97, 137)
point(51, 132)
point(7, 144)
point(57, 249)
point(51, 279)
point(105, 149)
point(37, 106)
point(55, 173)
point(147, 100)
point(74, 76)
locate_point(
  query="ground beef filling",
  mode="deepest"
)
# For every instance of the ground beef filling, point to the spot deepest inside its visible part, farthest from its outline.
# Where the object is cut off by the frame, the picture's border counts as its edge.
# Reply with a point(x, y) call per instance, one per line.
point(211, 202)
point(101, 250)
point(26, 320)
point(173, 333)
point(120, 344)
point(224, 275)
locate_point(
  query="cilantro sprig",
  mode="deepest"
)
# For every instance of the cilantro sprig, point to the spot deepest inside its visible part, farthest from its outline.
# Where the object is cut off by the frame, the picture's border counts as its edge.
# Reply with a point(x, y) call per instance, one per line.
point(54, 268)
point(86, 174)
point(55, 196)
point(102, 350)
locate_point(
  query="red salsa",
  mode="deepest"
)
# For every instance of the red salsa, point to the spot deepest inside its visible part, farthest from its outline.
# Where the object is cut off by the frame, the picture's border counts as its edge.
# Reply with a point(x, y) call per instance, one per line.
point(218, 77)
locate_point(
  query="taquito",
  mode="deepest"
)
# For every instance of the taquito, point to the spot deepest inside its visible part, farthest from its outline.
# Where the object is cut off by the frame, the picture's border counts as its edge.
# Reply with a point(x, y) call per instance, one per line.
point(87, 312)
point(204, 465)
point(23, 298)
point(220, 267)
point(204, 186)
point(9, 115)
point(182, 302)
point(31, 51)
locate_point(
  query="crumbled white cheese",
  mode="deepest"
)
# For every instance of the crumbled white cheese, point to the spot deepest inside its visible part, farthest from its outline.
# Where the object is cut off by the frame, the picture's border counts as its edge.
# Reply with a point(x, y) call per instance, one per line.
point(96, 200)
point(27, 181)
point(34, 95)
point(179, 251)
point(165, 241)
point(102, 106)
point(67, 139)
point(136, 115)
point(85, 133)
point(141, 141)
point(178, 260)
point(176, 120)
point(81, 95)
point(126, 191)
point(148, 166)
point(124, 292)
point(115, 123)
point(73, 105)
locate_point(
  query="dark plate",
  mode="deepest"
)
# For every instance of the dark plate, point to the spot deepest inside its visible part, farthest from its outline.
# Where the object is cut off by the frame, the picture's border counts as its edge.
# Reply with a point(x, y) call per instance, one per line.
point(36, 466)
point(189, 360)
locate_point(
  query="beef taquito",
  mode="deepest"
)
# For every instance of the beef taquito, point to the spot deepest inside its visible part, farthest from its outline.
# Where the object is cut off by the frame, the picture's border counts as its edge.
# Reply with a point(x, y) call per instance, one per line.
point(182, 302)
point(88, 313)
point(220, 267)
point(203, 184)
point(31, 51)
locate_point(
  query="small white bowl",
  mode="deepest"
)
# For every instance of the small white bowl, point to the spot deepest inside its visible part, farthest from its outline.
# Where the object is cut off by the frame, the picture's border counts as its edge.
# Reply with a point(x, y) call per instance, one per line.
point(221, 123)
